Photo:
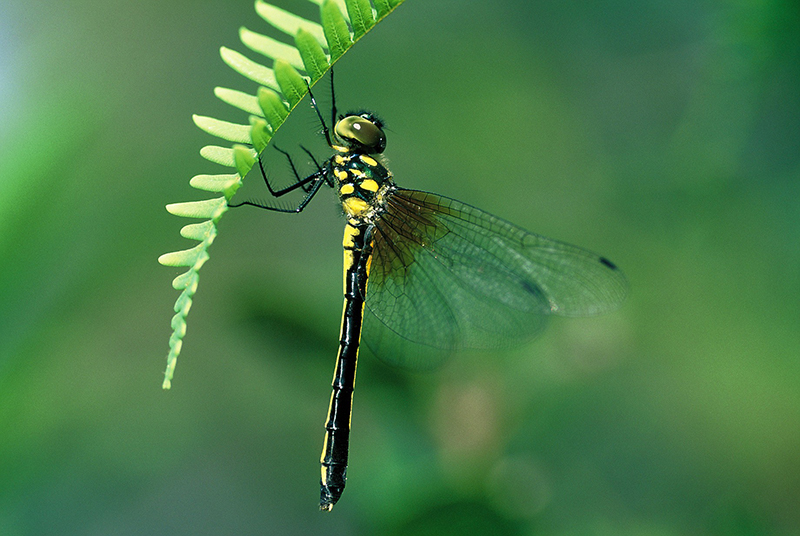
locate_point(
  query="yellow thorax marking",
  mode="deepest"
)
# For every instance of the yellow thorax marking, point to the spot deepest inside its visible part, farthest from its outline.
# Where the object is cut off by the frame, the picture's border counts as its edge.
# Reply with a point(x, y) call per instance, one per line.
point(355, 206)
point(368, 160)
point(340, 174)
point(347, 189)
point(369, 185)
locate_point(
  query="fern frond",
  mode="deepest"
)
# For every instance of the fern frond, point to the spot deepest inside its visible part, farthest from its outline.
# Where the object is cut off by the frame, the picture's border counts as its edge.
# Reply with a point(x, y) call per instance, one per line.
point(294, 69)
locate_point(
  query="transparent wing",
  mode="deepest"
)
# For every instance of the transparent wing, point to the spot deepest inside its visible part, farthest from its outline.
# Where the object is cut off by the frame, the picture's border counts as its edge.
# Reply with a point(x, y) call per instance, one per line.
point(446, 276)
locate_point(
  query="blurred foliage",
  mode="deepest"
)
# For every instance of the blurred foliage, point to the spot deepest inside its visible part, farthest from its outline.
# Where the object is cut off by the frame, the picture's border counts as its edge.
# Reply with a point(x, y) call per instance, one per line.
point(663, 135)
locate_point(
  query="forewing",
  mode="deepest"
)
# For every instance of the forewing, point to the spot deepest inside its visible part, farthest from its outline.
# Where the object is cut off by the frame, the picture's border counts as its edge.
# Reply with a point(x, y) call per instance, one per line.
point(447, 276)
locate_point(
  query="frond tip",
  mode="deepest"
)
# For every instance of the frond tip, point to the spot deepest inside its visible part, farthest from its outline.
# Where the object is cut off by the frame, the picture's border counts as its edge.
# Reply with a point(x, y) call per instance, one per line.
point(317, 45)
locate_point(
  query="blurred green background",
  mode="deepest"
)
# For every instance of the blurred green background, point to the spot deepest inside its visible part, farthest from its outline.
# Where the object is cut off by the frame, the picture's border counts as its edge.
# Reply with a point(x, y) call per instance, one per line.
point(664, 135)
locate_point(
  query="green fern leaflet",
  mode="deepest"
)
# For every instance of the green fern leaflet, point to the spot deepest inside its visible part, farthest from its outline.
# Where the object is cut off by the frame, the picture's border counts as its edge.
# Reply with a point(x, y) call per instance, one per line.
point(316, 48)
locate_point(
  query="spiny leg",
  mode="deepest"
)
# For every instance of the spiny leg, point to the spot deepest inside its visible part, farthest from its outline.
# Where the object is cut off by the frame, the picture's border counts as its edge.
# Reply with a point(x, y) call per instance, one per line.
point(313, 159)
point(314, 105)
point(333, 102)
point(306, 187)
point(317, 180)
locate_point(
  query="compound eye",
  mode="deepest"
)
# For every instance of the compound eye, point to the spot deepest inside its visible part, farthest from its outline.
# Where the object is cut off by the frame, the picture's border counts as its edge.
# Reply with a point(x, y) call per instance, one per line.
point(362, 133)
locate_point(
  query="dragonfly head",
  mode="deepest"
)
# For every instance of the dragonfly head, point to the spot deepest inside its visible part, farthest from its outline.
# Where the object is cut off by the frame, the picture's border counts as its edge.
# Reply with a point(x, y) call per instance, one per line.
point(362, 132)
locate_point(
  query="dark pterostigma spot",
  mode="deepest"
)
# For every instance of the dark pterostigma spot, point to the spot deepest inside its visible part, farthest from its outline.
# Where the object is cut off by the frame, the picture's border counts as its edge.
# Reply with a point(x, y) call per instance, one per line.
point(608, 263)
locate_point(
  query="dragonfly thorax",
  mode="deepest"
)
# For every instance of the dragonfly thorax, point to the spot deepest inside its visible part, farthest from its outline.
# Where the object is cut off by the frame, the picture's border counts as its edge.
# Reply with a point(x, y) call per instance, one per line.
point(361, 182)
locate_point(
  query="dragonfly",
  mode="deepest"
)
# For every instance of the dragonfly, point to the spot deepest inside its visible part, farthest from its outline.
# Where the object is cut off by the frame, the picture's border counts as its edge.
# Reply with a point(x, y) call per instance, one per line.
point(426, 276)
